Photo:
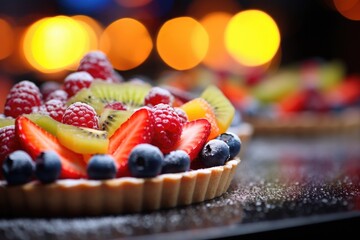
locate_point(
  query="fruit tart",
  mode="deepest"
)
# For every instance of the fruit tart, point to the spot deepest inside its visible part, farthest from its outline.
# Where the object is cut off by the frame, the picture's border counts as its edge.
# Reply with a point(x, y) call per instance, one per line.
point(97, 144)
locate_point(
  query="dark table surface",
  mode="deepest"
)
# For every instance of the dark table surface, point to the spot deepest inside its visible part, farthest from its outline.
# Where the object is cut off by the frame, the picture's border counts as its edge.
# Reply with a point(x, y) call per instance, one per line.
point(285, 186)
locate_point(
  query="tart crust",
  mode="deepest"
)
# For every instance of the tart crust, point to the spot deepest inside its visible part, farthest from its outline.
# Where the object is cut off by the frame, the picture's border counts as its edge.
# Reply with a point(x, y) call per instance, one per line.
point(69, 198)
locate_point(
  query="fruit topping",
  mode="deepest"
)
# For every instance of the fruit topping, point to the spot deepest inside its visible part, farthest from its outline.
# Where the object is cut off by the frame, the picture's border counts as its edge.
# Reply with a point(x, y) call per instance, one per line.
point(200, 108)
point(158, 95)
point(48, 87)
point(8, 142)
point(76, 81)
point(81, 115)
point(44, 121)
point(139, 128)
point(35, 140)
point(215, 153)
point(233, 141)
point(83, 140)
point(222, 107)
point(167, 127)
point(110, 120)
point(101, 166)
point(59, 95)
point(18, 168)
point(145, 161)
point(176, 161)
point(182, 114)
point(22, 98)
point(97, 64)
point(55, 108)
point(47, 166)
point(6, 121)
point(193, 137)
point(115, 106)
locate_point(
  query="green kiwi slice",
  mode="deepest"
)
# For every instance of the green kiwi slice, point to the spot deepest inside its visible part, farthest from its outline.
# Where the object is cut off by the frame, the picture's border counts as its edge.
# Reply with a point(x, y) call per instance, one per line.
point(129, 93)
point(111, 120)
point(85, 95)
point(6, 122)
point(223, 108)
point(44, 121)
point(83, 140)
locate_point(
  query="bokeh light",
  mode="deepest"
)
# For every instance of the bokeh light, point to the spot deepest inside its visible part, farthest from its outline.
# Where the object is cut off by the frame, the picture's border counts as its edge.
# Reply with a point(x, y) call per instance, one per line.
point(84, 6)
point(217, 56)
point(182, 43)
point(6, 40)
point(252, 37)
point(55, 43)
point(127, 43)
point(348, 8)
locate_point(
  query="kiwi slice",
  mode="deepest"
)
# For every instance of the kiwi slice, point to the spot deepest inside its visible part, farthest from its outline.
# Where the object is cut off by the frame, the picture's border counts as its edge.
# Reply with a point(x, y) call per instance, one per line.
point(85, 95)
point(44, 121)
point(83, 140)
point(6, 122)
point(223, 108)
point(110, 120)
point(131, 94)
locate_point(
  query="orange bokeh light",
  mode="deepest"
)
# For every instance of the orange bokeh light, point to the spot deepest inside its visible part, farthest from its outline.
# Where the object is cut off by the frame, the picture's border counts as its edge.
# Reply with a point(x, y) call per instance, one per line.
point(217, 56)
point(6, 40)
point(182, 43)
point(348, 8)
point(127, 43)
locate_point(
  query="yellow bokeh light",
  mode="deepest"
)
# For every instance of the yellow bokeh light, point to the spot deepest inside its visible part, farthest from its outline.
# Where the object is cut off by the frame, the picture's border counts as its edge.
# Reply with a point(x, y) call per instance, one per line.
point(182, 43)
point(6, 40)
point(55, 43)
point(252, 37)
point(127, 43)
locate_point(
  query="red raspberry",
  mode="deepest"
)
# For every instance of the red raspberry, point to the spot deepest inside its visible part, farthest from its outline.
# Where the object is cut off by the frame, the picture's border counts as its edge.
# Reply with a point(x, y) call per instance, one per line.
point(59, 95)
point(167, 128)
point(48, 87)
point(116, 106)
point(158, 95)
point(55, 108)
point(97, 64)
point(76, 81)
point(182, 115)
point(8, 142)
point(22, 98)
point(81, 115)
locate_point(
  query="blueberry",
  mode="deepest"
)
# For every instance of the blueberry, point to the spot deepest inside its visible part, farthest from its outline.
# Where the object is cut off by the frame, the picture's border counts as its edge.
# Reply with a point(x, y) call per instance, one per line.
point(176, 161)
point(233, 141)
point(18, 168)
point(145, 161)
point(215, 153)
point(101, 166)
point(47, 166)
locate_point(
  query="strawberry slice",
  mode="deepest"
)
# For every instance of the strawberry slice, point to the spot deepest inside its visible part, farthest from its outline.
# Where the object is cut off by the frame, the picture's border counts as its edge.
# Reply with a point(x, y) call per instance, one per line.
point(34, 140)
point(137, 129)
point(193, 137)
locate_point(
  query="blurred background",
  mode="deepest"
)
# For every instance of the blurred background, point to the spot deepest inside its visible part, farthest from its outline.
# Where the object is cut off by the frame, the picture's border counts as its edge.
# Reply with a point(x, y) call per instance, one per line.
point(245, 39)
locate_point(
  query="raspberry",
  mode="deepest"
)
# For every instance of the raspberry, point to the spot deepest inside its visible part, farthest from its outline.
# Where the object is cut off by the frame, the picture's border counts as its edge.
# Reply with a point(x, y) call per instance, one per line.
point(167, 128)
point(21, 99)
point(97, 64)
point(8, 142)
point(48, 87)
point(158, 95)
point(55, 108)
point(81, 115)
point(74, 82)
point(58, 94)
point(116, 106)
point(182, 115)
